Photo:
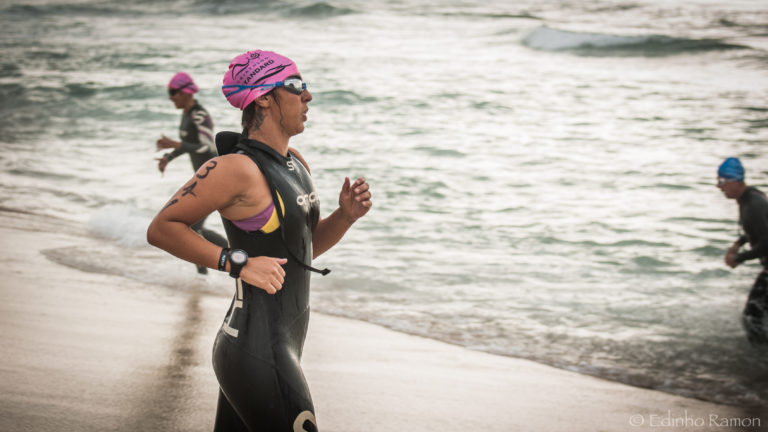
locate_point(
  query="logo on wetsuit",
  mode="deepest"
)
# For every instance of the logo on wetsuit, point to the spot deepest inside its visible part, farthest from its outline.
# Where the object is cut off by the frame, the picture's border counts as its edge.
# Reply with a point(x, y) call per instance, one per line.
point(306, 199)
point(302, 419)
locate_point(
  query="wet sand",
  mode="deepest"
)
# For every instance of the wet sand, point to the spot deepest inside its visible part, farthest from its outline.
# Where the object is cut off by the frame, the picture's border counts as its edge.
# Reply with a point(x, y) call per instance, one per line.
point(93, 352)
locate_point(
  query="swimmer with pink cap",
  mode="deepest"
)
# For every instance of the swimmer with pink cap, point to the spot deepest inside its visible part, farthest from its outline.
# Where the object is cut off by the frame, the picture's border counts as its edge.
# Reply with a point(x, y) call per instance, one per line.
point(182, 82)
point(270, 209)
point(256, 73)
point(196, 139)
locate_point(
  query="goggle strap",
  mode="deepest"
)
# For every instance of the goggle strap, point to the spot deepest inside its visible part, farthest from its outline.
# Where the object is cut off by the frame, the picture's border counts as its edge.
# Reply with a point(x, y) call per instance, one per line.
point(246, 87)
point(243, 87)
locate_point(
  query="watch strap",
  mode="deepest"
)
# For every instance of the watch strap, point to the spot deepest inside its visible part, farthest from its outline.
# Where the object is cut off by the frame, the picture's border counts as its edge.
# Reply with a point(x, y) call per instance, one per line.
point(223, 257)
point(235, 268)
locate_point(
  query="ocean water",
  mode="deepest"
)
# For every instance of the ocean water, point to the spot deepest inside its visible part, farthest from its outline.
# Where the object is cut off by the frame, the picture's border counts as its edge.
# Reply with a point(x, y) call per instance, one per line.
point(543, 171)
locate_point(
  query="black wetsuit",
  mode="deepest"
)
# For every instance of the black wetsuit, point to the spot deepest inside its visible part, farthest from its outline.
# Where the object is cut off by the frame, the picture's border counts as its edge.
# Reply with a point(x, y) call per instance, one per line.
point(196, 132)
point(258, 348)
point(753, 218)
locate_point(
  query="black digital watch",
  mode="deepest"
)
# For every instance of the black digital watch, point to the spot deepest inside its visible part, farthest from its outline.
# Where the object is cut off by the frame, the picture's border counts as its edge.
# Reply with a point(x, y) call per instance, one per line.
point(238, 258)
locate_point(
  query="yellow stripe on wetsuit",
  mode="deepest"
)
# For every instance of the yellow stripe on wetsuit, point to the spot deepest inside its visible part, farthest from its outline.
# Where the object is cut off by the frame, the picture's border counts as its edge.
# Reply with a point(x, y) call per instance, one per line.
point(274, 222)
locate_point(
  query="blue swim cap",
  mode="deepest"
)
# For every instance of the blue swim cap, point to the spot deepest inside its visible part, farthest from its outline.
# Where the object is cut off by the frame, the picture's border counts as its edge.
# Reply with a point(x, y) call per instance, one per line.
point(732, 169)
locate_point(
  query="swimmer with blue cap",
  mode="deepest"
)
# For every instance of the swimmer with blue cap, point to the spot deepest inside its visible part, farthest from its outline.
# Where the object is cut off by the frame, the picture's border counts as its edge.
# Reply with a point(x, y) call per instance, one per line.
point(753, 221)
point(731, 170)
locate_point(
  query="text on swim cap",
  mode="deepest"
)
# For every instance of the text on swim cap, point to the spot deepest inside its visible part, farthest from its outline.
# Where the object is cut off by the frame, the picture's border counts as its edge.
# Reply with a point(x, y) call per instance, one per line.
point(258, 69)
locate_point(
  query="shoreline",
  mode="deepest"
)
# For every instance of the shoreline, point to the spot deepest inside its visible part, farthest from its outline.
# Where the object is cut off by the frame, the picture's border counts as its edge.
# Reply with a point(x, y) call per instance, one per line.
point(491, 392)
point(404, 332)
point(92, 351)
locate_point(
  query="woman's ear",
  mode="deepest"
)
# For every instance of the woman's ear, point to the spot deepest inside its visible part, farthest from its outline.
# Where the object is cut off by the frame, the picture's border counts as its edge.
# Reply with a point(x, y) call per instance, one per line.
point(264, 101)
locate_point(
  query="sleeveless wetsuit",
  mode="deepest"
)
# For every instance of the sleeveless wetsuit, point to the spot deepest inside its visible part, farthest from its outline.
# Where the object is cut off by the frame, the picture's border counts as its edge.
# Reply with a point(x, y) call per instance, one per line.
point(753, 218)
point(258, 348)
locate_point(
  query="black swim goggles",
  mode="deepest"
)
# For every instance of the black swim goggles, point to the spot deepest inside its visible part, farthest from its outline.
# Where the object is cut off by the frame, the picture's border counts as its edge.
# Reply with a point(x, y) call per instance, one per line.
point(172, 92)
point(293, 85)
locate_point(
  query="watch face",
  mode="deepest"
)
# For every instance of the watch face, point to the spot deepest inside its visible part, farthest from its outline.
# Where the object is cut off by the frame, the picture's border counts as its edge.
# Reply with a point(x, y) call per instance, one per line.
point(238, 257)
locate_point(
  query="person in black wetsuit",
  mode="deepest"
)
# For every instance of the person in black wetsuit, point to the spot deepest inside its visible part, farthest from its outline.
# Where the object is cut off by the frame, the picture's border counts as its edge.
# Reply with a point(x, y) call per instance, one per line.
point(196, 132)
point(264, 192)
point(753, 219)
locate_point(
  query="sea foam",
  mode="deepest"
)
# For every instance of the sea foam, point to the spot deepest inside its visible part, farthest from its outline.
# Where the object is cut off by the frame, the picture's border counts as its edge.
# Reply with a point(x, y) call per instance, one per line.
point(123, 223)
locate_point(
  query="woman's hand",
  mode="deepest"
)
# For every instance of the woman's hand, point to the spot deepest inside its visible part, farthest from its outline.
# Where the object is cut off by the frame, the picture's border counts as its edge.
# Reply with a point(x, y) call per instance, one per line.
point(730, 256)
point(162, 163)
point(355, 199)
point(354, 203)
point(165, 143)
point(266, 273)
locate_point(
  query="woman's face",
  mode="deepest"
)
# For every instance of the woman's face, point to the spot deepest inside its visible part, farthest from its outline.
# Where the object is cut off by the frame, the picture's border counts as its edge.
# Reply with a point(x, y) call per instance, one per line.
point(293, 109)
point(730, 188)
point(179, 99)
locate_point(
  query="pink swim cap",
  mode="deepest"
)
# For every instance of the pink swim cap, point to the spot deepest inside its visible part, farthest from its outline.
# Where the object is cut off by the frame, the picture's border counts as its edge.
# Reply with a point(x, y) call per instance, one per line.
point(183, 82)
point(249, 71)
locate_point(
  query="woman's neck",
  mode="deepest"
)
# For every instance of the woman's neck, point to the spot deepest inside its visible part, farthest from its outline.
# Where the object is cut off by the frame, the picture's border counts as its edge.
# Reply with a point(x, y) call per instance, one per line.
point(271, 137)
point(188, 104)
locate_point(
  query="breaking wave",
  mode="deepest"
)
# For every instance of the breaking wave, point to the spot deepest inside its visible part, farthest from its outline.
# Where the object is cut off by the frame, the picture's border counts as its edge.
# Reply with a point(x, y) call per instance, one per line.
point(597, 44)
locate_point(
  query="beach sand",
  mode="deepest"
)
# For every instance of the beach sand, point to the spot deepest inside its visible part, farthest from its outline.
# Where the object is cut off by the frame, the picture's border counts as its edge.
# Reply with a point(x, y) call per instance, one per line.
point(88, 351)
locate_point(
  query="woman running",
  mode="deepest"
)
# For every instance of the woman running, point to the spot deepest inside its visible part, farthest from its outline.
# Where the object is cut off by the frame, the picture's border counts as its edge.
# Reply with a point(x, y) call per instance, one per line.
point(263, 190)
point(196, 133)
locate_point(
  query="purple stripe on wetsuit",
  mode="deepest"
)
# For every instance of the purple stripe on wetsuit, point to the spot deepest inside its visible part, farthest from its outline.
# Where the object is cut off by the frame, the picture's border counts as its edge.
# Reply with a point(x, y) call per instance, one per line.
point(255, 223)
